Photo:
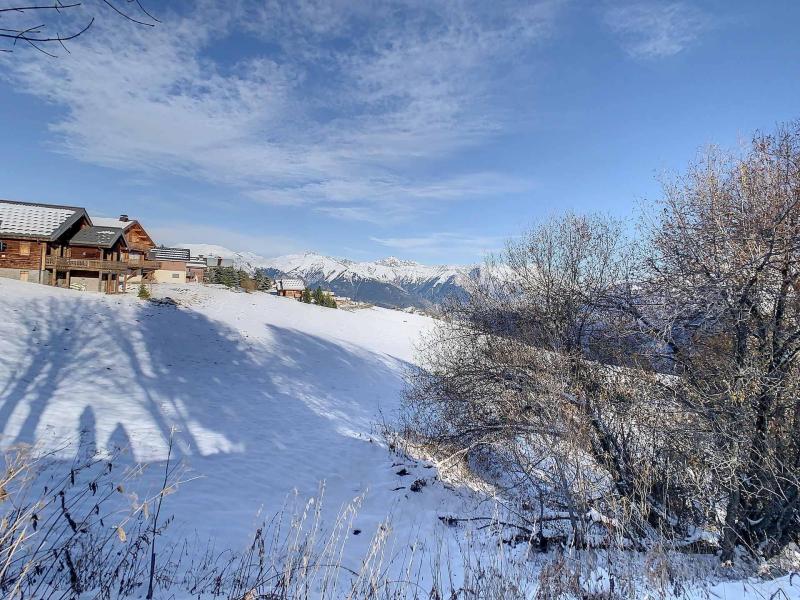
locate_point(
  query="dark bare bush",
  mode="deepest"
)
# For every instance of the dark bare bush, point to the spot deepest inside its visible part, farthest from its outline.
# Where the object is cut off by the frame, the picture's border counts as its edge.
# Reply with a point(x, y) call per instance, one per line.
point(723, 276)
point(72, 529)
point(647, 388)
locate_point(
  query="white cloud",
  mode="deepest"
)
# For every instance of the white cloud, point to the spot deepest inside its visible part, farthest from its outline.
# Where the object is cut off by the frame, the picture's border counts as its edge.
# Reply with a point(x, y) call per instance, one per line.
point(349, 102)
point(182, 233)
point(656, 29)
point(442, 243)
point(355, 199)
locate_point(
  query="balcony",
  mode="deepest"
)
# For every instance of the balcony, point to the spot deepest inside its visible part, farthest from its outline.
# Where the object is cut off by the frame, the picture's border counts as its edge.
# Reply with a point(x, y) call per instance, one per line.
point(109, 266)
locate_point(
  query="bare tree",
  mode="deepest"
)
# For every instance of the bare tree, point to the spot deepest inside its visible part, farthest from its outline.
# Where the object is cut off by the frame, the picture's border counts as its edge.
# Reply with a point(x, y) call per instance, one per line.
point(52, 23)
point(650, 387)
point(723, 288)
point(513, 372)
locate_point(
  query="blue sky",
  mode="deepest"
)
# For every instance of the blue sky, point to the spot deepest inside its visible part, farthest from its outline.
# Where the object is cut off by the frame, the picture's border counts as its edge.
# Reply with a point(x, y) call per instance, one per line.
point(421, 129)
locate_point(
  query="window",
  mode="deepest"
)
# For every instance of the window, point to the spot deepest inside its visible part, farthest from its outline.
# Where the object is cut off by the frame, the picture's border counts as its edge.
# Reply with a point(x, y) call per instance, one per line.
point(176, 275)
point(24, 248)
point(2, 246)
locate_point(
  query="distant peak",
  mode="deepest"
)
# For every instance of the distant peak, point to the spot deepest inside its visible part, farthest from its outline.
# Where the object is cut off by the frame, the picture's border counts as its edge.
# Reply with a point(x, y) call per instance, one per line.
point(393, 261)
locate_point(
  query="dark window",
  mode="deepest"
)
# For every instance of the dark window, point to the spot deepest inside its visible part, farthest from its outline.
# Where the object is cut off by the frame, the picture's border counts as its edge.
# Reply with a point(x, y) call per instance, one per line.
point(2, 246)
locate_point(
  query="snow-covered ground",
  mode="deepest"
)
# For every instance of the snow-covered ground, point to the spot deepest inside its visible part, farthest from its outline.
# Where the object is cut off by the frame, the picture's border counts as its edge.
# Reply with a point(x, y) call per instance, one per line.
point(268, 396)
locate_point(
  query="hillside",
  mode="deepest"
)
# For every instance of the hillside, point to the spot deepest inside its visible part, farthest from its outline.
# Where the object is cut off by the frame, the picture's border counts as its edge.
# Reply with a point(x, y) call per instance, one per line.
point(271, 402)
point(268, 396)
point(389, 282)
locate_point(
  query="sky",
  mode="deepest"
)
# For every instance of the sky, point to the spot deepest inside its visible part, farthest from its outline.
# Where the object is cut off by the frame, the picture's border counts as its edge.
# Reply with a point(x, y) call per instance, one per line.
point(423, 129)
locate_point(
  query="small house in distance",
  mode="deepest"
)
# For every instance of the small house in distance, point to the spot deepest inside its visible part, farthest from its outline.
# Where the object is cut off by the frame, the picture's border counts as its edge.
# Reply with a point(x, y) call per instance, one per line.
point(218, 261)
point(173, 264)
point(196, 269)
point(290, 288)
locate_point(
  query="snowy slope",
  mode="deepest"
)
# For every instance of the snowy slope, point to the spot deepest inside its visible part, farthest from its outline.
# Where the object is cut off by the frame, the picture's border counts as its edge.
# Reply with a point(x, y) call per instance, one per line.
point(268, 396)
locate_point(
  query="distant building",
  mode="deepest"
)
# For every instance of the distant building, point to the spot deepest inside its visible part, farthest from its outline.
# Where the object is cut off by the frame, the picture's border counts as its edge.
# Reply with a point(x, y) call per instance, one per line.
point(173, 264)
point(290, 288)
point(218, 261)
point(196, 269)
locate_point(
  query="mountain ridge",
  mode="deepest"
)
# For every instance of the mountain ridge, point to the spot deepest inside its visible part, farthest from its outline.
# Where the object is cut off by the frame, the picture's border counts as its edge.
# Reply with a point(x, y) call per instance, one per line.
point(390, 281)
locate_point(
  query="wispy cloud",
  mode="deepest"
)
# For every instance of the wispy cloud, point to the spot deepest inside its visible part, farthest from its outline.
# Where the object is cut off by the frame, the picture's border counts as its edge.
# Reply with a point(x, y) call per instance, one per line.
point(650, 30)
point(355, 199)
point(440, 243)
point(337, 111)
point(181, 233)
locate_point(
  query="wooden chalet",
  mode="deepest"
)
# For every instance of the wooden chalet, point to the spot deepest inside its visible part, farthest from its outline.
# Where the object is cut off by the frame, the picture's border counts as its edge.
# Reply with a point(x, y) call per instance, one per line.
point(60, 246)
point(139, 245)
point(290, 288)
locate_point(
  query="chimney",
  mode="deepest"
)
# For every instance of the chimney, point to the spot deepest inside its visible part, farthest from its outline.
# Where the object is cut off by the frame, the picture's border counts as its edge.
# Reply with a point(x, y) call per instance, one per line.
point(124, 218)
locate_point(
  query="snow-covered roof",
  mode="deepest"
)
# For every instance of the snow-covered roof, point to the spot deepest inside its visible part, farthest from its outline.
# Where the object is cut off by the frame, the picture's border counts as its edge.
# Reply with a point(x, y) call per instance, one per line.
point(102, 237)
point(197, 262)
point(290, 285)
point(112, 222)
point(30, 220)
point(179, 254)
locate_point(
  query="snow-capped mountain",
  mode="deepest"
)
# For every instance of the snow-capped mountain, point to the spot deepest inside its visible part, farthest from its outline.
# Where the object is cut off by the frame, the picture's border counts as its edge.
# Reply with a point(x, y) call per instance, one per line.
point(388, 282)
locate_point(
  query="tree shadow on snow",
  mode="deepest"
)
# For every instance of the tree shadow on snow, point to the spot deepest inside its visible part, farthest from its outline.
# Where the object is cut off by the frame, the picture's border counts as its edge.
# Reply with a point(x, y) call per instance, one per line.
point(85, 372)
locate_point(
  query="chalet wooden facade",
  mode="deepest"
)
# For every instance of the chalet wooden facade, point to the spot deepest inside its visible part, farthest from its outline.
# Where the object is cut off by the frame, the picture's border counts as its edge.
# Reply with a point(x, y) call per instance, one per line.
point(139, 245)
point(33, 234)
point(60, 246)
point(290, 288)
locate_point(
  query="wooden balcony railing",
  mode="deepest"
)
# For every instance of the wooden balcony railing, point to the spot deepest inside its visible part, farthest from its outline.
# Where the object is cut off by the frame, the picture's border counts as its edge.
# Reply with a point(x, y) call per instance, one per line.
point(83, 264)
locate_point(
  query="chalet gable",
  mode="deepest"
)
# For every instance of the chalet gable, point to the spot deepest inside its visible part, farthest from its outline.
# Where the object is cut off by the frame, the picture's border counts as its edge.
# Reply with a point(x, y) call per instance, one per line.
point(138, 239)
point(98, 237)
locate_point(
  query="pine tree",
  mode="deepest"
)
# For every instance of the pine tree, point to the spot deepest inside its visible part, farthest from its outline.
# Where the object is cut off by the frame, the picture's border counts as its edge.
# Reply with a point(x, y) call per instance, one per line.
point(305, 296)
point(262, 282)
point(228, 276)
point(143, 292)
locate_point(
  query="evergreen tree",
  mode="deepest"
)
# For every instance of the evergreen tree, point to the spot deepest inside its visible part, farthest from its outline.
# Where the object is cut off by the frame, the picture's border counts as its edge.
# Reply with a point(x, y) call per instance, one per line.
point(262, 282)
point(305, 296)
point(227, 276)
point(318, 297)
point(143, 292)
point(330, 301)
point(212, 275)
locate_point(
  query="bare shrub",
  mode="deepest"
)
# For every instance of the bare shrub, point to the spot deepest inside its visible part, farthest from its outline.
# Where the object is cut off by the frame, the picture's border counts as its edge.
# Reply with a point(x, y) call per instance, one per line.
point(638, 393)
point(69, 529)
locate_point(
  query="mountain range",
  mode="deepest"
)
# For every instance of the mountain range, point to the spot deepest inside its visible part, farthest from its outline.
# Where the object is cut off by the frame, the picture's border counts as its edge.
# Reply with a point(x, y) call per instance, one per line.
point(389, 282)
